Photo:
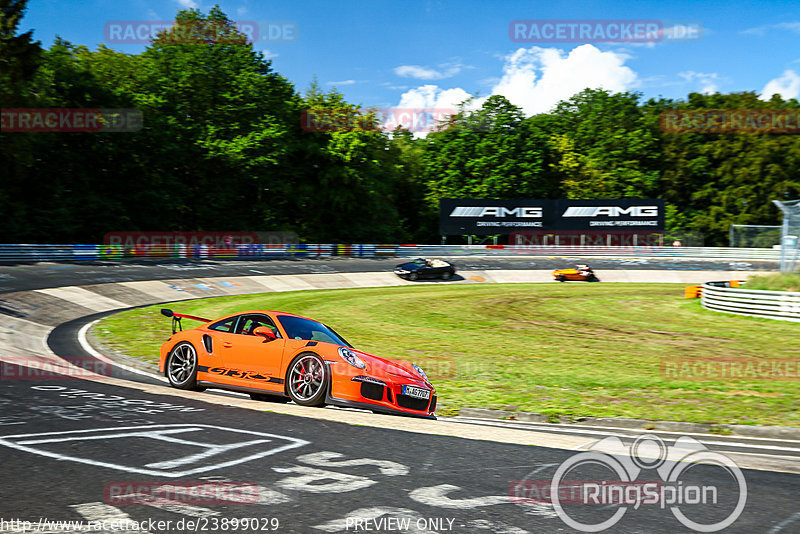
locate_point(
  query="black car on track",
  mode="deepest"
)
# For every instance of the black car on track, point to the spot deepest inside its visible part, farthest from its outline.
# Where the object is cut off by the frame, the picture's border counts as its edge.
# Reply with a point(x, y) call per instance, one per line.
point(425, 268)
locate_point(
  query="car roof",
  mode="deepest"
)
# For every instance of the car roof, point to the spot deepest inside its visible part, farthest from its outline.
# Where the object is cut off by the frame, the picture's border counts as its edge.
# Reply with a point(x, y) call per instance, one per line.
point(265, 312)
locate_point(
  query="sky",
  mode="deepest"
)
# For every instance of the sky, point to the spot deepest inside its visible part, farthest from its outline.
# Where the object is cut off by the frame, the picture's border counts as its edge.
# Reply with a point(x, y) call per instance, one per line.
point(436, 54)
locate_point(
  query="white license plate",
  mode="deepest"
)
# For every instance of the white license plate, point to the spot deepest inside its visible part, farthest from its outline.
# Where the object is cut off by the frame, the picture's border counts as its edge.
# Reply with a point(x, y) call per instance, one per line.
point(416, 392)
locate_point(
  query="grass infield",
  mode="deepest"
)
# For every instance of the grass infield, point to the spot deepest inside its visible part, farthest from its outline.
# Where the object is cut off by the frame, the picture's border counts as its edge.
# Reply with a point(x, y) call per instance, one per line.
point(775, 282)
point(574, 350)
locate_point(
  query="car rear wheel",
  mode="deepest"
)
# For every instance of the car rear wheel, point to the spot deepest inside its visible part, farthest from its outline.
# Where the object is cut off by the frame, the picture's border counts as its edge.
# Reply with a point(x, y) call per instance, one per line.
point(181, 367)
point(307, 380)
point(592, 278)
point(447, 275)
point(413, 276)
point(263, 397)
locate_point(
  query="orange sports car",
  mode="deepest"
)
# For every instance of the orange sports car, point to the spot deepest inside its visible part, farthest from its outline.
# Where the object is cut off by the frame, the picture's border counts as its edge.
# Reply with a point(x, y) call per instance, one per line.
point(280, 357)
point(579, 273)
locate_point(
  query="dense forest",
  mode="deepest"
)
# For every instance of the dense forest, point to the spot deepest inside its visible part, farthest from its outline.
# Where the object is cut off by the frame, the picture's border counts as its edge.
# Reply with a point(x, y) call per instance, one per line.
point(222, 148)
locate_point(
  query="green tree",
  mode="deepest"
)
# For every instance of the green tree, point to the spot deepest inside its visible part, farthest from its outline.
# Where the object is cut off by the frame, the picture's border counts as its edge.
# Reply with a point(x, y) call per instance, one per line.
point(492, 152)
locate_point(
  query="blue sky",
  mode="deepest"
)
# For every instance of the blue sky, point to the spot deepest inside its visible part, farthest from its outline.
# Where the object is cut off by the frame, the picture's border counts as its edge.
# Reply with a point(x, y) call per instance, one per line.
point(435, 53)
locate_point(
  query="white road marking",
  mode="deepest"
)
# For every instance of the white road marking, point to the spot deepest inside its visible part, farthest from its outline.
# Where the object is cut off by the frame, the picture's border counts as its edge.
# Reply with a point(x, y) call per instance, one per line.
point(786, 522)
point(184, 509)
point(156, 432)
point(324, 459)
point(340, 482)
point(86, 346)
point(84, 343)
point(605, 431)
point(105, 513)
point(437, 496)
point(211, 451)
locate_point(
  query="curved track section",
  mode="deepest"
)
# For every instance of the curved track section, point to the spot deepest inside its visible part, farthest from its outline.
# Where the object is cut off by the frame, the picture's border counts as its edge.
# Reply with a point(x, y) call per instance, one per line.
point(86, 447)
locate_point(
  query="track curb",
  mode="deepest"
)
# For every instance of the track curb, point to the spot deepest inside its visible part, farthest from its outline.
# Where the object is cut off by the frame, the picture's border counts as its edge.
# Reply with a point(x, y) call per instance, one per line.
point(754, 431)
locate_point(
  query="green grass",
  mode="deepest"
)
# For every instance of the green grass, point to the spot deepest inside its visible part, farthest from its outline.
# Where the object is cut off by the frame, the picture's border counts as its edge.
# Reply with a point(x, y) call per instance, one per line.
point(775, 282)
point(569, 350)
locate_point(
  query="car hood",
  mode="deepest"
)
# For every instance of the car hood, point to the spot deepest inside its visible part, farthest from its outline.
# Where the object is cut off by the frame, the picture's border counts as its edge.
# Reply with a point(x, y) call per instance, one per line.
point(376, 366)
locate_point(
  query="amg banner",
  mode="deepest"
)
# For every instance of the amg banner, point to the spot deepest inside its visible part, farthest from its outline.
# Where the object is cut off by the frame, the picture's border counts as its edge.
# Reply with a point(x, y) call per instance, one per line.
point(490, 217)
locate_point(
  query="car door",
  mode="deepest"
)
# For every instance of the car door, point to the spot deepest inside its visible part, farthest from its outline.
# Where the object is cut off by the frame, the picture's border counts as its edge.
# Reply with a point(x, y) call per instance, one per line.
point(254, 361)
point(217, 338)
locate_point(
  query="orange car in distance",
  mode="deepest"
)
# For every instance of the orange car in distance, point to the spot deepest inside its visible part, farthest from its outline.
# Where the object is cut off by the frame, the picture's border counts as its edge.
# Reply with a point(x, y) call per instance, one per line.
point(276, 356)
point(581, 273)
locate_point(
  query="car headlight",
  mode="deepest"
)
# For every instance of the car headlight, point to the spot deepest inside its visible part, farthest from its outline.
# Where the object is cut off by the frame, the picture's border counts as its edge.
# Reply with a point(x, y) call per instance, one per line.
point(418, 369)
point(350, 357)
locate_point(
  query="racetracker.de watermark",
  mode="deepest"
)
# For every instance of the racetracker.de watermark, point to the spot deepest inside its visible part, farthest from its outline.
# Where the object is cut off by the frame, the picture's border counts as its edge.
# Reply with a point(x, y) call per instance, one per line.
point(42, 369)
point(415, 120)
point(74, 120)
point(603, 31)
point(721, 121)
point(201, 493)
point(201, 31)
point(730, 368)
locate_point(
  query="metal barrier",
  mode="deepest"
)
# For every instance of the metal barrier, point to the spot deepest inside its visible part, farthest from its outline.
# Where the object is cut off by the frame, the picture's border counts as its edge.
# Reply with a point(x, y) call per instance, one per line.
point(719, 253)
point(780, 305)
point(34, 253)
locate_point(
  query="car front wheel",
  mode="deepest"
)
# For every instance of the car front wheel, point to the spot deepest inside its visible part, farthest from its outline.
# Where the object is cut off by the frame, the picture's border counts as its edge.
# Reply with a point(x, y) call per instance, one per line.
point(413, 276)
point(307, 380)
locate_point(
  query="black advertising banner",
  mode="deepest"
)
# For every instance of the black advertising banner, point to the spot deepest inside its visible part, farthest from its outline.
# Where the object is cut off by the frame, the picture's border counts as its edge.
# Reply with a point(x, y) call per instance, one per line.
point(490, 217)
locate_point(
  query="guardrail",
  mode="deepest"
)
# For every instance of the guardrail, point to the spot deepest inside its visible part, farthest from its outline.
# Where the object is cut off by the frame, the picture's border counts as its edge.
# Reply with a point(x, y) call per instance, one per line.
point(746, 254)
point(35, 253)
point(780, 305)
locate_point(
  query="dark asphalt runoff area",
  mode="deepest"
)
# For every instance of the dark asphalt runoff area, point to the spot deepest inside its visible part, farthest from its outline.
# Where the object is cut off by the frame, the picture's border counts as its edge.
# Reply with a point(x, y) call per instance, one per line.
point(23, 277)
point(115, 458)
point(86, 451)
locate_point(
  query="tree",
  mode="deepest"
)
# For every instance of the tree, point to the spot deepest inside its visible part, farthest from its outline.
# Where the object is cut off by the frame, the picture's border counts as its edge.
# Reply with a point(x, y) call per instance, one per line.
point(604, 146)
point(492, 152)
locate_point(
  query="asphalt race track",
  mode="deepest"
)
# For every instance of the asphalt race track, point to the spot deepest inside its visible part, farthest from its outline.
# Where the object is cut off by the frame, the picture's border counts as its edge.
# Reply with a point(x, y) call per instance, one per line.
point(94, 449)
point(24, 277)
point(310, 475)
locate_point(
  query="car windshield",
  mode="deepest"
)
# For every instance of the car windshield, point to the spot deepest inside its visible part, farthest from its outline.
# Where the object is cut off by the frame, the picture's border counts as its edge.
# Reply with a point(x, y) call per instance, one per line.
point(420, 261)
point(301, 328)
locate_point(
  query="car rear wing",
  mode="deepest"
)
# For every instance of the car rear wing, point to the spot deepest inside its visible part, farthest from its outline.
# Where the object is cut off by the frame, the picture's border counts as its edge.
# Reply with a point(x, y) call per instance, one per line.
point(176, 319)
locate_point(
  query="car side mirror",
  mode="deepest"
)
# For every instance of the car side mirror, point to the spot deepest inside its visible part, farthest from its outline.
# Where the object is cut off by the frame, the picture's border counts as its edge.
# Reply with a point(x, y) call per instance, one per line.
point(266, 333)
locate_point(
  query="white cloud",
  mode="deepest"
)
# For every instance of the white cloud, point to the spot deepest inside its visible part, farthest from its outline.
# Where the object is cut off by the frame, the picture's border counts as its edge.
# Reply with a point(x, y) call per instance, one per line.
point(343, 82)
point(535, 79)
point(432, 96)
point(188, 4)
point(268, 54)
point(241, 11)
point(708, 81)
point(761, 30)
point(446, 70)
point(788, 86)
